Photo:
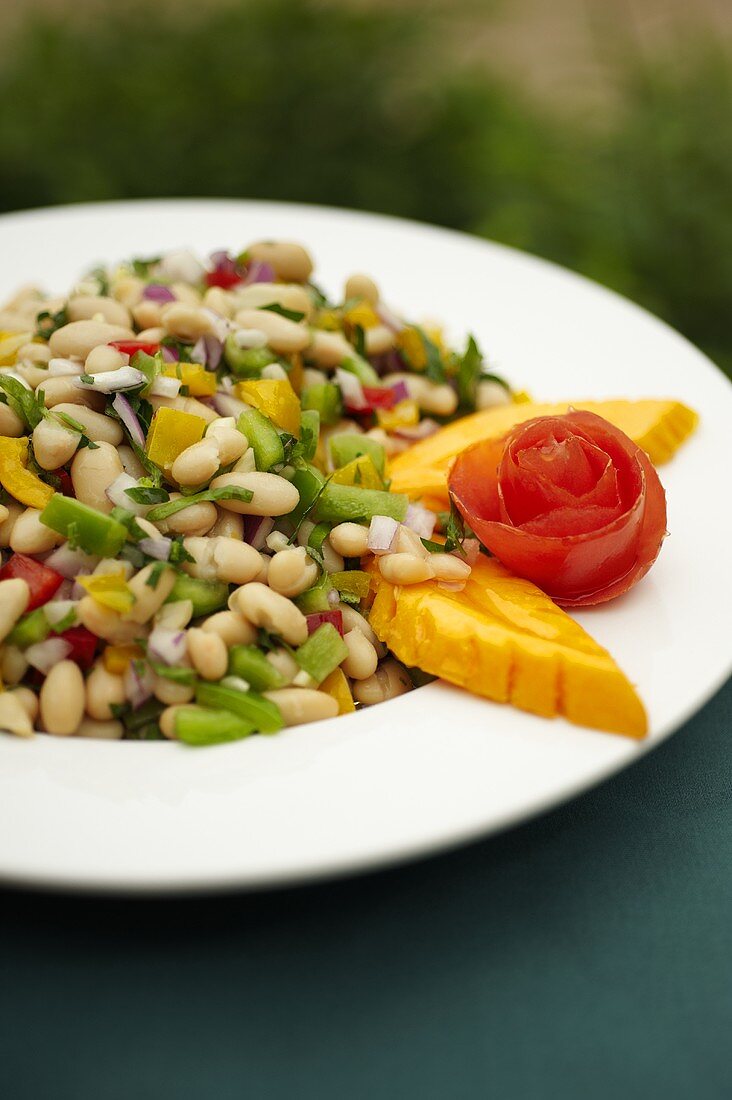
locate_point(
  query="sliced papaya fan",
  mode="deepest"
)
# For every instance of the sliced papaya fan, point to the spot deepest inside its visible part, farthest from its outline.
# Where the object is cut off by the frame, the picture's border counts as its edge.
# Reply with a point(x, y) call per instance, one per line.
point(504, 639)
point(659, 427)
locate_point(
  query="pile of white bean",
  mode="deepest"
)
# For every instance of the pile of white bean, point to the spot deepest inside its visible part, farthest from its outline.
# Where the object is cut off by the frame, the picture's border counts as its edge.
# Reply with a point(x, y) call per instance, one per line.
point(264, 583)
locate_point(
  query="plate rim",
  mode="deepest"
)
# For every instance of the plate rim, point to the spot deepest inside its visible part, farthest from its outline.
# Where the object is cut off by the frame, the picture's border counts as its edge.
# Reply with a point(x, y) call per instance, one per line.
point(222, 881)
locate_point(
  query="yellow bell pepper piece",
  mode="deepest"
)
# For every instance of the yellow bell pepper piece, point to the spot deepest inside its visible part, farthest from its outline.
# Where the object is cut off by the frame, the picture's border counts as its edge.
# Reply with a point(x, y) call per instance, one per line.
point(336, 685)
point(410, 342)
point(117, 658)
point(659, 427)
point(362, 314)
point(171, 432)
point(16, 478)
point(405, 414)
point(328, 319)
point(360, 471)
point(200, 382)
point(9, 344)
point(109, 589)
point(276, 399)
point(296, 376)
point(505, 639)
point(521, 397)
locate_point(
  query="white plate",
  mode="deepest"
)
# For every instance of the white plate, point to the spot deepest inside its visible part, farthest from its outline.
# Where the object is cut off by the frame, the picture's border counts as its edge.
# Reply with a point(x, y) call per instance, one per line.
point(435, 767)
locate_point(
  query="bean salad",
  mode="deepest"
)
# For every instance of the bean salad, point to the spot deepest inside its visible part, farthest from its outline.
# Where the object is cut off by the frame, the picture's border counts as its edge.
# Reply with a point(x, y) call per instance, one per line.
point(194, 495)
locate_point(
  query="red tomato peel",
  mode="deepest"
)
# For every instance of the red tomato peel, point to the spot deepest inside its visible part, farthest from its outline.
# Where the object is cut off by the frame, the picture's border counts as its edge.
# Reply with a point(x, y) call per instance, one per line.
point(569, 502)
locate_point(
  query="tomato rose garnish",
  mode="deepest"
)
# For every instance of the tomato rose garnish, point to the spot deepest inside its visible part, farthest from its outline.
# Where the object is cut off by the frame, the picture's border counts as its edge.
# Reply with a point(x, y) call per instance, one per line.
point(569, 502)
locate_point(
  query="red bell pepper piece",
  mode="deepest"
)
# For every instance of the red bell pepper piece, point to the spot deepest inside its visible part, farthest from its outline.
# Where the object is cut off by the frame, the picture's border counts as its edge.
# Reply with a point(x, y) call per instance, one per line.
point(130, 347)
point(223, 277)
point(380, 397)
point(42, 581)
point(83, 645)
point(319, 617)
point(66, 486)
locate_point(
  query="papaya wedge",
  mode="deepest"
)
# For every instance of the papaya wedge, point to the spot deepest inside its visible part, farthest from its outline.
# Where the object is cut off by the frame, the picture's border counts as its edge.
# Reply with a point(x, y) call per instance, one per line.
point(659, 427)
point(504, 639)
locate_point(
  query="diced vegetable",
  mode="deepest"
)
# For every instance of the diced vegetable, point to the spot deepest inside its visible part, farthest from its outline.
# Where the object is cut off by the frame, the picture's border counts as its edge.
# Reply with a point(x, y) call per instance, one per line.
point(117, 658)
point(19, 481)
point(245, 362)
point(336, 685)
point(309, 433)
point(30, 629)
point(315, 599)
point(171, 432)
point(308, 481)
point(342, 503)
point(199, 381)
point(109, 589)
point(263, 714)
point(132, 347)
point(83, 645)
point(263, 438)
point(195, 726)
point(276, 399)
point(84, 527)
point(351, 582)
point(363, 370)
point(322, 652)
point(42, 581)
point(333, 616)
point(206, 596)
point(346, 446)
point(360, 471)
point(325, 399)
point(249, 663)
point(405, 414)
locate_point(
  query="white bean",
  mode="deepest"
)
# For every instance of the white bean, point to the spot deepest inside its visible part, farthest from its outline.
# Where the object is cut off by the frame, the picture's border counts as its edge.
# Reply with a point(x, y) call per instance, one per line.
point(106, 623)
point(85, 307)
point(272, 495)
point(301, 705)
point(285, 664)
point(222, 559)
point(292, 571)
point(197, 464)
point(378, 340)
point(104, 690)
point(231, 628)
point(53, 444)
point(349, 539)
point(405, 569)
point(30, 536)
point(14, 510)
point(265, 608)
point(174, 616)
point(450, 568)
point(92, 472)
point(228, 525)
point(186, 322)
point(288, 295)
point(128, 289)
point(362, 659)
point(101, 731)
point(184, 404)
point(231, 443)
point(283, 335)
point(104, 358)
point(196, 519)
point(491, 394)
point(79, 337)
point(171, 693)
point(328, 349)
point(13, 716)
point(389, 681)
point(28, 700)
point(148, 599)
point(362, 287)
point(208, 653)
point(34, 352)
point(289, 261)
point(166, 721)
point(354, 620)
point(98, 427)
point(62, 699)
point(61, 390)
point(14, 598)
point(13, 664)
point(147, 314)
point(10, 423)
point(219, 300)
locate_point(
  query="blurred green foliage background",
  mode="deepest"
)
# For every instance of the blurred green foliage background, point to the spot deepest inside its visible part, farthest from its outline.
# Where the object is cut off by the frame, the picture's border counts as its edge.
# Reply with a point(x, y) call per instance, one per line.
point(368, 107)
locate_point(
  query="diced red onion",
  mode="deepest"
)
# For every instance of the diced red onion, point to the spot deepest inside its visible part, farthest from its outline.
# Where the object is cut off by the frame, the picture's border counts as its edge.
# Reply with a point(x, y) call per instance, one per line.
point(198, 351)
point(44, 655)
point(351, 389)
point(125, 412)
point(388, 318)
point(317, 618)
point(56, 610)
point(156, 548)
point(167, 646)
point(165, 387)
point(258, 272)
point(471, 550)
point(116, 493)
point(383, 531)
point(256, 529)
point(169, 355)
point(71, 563)
point(421, 520)
point(112, 381)
point(156, 292)
point(400, 391)
point(214, 351)
point(423, 430)
point(63, 592)
point(221, 258)
point(139, 684)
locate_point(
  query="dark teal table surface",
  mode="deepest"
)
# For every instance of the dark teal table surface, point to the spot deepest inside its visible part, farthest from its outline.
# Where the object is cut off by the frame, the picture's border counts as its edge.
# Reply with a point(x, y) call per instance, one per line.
point(586, 954)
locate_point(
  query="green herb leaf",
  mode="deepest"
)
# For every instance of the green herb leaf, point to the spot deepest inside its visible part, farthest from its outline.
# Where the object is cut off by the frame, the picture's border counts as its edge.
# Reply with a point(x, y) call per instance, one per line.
point(22, 400)
point(69, 422)
point(47, 323)
point(290, 314)
point(471, 364)
point(228, 492)
point(435, 368)
point(147, 494)
point(178, 553)
point(64, 624)
point(175, 673)
point(142, 267)
point(156, 573)
point(454, 530)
